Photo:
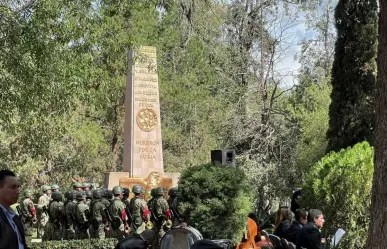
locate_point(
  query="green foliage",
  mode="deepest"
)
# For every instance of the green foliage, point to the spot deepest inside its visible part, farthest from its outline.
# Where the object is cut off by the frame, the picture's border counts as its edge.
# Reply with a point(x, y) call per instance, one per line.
point(216, 200)
point(353, 74)
point(340, 185)
point(76, 244)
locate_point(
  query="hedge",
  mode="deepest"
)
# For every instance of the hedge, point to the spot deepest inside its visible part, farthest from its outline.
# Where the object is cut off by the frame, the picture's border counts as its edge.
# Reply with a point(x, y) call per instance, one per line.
point(216, 200)
point(76, 244)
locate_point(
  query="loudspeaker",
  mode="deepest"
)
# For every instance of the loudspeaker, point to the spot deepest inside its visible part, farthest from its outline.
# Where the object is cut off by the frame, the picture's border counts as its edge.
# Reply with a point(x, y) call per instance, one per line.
point(224, 157)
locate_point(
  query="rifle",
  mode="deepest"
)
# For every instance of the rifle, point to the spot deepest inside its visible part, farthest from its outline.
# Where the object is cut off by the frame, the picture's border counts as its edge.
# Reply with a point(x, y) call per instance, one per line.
point(22, 215)
point(109, 221)
point(129, 214)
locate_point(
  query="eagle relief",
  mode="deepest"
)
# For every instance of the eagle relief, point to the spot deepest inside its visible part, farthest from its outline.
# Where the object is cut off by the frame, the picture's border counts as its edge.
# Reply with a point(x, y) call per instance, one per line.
point(154, 180)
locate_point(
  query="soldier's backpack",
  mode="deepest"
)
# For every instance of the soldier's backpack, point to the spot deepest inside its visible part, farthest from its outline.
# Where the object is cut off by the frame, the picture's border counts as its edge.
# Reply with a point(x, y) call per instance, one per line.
point(116, 220)
point(81, 221)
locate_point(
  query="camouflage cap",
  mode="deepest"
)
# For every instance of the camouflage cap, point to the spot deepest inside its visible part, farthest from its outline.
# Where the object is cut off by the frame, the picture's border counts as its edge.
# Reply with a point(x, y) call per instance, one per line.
point(45, 188)
point(77, 185)
point(86, 185)
point(54, 186)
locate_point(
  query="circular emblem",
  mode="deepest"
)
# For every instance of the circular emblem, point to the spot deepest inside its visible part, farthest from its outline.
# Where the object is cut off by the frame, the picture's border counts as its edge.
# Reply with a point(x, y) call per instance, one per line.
point(146, 119)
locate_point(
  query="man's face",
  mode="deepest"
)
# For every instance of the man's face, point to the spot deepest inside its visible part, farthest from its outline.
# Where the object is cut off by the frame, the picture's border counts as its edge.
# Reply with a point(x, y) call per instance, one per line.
point(48, 192)
point(319, 221)
point(10, 191)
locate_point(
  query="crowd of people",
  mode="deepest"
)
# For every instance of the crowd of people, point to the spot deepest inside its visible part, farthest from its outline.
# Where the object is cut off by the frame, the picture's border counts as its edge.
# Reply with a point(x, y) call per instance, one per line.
point(85, 212)
point(303, 231)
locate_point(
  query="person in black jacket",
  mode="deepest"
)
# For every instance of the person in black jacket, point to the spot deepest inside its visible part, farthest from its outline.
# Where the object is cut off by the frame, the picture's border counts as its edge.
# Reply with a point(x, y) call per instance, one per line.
point(301, 219)
point(283, 222)
point(309, 236)
point(11, 227)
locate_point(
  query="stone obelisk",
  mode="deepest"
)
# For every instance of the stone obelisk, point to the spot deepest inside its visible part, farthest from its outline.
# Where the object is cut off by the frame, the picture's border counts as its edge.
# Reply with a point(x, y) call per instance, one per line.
point(143, 152)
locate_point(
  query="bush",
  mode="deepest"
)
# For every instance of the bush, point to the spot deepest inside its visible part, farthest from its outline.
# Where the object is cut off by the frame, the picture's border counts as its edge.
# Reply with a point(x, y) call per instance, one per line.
point(340, 185)
point(76, 244)
point(216, 200)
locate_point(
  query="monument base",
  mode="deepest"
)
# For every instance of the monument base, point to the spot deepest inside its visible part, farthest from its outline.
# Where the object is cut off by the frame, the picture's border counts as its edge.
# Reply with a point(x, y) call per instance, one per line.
point(154, 180)
point(112, 179)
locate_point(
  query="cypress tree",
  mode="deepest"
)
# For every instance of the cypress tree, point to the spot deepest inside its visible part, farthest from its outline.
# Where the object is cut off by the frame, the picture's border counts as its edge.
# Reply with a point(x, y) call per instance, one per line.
point(351, 113)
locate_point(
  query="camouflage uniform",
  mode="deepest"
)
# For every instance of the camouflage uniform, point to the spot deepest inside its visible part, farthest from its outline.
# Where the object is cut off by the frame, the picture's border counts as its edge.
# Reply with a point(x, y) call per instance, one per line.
point(70, 218)
point(139, 209)
point(98, 219)
point(81, 214)
point(117, 212)
point(55, 226)
point(29, 212)
point(43, 202)
point(161, 210)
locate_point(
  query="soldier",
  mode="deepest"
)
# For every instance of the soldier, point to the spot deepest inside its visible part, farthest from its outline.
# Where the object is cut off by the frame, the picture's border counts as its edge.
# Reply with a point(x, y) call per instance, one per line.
point(43, 202)
point(86, 186)
point(56, 222)
point(104, 198)
point(98, 217)
point(153, 196)
point(82, 217)
point(78, 187)
point(89, 197)
point(172, 195)
point(70, 218)
point(139, 211)
point(125, 196)
point(118, 215)
point(55, 188)
point(162, 213)
point(28, 211)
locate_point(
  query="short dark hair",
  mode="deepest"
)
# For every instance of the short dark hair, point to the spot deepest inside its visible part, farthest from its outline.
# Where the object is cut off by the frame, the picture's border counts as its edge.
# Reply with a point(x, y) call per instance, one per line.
point(314, 214)
point(4, 173)
point(301, 213)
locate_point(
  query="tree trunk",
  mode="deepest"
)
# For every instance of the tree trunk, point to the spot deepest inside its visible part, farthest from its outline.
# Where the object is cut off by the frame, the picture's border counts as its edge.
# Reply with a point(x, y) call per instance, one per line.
point(377, 234)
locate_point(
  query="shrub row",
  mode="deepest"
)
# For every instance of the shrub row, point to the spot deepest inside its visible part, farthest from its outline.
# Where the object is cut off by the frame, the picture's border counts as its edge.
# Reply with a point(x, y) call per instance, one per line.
point(76, 244)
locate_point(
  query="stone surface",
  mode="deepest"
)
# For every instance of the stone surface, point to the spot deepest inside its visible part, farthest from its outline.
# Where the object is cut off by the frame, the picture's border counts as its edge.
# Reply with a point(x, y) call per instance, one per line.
point(112, 179)
point(142, 134)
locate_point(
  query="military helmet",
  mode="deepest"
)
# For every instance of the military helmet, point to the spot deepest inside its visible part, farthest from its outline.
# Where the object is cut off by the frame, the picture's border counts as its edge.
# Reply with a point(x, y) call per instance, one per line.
point(45, 188)
point(54, 186)
point(89, 194)
point(160, 191)
point(69, 195)
point(142, 190)
point(80, 196)
point(56, 196)
point(109, 194)
point(104, 192)
point(117, 190)
point(97, 193)
point(125, 191)
point(172, 192)
point(27, 193)
point(153, 192)
point(77, 185)
point(137, 189)
point(85, 185)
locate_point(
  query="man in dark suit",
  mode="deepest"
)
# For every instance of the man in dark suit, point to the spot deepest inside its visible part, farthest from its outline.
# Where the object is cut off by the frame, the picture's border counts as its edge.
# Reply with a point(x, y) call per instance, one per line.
point(309, 236)
point(301, 219)
point(11, 227)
